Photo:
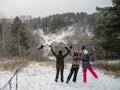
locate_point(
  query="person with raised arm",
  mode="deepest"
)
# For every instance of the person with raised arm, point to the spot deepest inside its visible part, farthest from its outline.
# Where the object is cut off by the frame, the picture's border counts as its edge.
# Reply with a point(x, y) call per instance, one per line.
point(60, 63)
point(75, 67)
point(85, 57)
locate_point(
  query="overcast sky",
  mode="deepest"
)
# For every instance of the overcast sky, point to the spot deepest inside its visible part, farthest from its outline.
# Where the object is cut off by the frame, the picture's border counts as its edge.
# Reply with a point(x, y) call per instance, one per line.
point(42, 8)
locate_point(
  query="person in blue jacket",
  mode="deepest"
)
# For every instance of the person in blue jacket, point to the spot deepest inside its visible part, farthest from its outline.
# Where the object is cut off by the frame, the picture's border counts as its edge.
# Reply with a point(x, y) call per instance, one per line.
point(85, 57)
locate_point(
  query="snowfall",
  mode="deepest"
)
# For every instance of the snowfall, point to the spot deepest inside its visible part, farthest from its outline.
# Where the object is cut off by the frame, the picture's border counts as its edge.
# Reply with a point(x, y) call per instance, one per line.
point(41, 77)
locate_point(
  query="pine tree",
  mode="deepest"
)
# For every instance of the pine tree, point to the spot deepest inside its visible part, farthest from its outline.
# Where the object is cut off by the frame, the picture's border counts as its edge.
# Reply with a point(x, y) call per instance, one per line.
point(19, 37)
point(108, 28)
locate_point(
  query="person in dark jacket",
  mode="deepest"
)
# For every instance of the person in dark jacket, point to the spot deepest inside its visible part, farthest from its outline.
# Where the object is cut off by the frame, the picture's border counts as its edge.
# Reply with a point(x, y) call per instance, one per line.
point(85, 57)
point(75, 67)
point(60, 62)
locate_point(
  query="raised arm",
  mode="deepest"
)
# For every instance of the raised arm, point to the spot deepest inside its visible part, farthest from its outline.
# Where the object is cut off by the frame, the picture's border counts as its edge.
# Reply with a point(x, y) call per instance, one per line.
point(53, 51)
point(91, 53)
point(81, 52)
point(68, 51)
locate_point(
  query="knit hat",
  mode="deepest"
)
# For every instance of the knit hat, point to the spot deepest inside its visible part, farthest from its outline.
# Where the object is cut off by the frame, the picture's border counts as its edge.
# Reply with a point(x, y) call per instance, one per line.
point(85, 52)
point(76, 52)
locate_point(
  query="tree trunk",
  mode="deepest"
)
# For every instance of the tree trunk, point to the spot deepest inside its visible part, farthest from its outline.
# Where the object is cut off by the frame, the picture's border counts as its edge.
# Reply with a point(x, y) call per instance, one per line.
point(3, 43)
point(19, 46)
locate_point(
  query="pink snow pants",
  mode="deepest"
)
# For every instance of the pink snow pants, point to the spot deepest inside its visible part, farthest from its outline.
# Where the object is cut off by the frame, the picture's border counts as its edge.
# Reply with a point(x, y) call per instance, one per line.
point(85, 73)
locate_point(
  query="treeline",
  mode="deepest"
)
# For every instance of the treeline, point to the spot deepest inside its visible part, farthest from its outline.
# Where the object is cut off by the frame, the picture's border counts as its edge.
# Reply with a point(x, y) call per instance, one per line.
point(58, 21)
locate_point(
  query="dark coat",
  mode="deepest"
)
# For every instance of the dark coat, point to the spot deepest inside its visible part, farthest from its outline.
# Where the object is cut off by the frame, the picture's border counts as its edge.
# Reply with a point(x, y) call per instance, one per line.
point(60, 59)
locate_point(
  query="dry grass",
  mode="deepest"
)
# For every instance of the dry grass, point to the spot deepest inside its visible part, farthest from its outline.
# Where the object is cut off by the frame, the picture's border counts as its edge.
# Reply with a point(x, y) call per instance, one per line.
point(44, 63)
point(110, 68)
point(48, 63)
point(13, 64)
point(20, 63)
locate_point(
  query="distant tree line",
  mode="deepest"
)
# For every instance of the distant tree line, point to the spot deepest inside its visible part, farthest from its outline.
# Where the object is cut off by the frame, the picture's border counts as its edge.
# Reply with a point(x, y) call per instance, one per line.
point(55, 22)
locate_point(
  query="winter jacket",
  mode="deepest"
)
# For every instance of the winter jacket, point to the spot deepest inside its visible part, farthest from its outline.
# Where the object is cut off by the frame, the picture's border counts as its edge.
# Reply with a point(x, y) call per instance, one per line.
point(76, 60)
point(60, 59)
point(86, 60)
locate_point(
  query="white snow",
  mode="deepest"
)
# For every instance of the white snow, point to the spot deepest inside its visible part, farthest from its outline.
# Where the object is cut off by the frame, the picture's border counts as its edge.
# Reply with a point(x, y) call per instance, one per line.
point(49, 39)
point(36, 77)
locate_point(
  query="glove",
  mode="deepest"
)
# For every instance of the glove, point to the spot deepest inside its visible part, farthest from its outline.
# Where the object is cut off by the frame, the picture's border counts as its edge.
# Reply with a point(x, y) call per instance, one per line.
point(71, 47)
point(83, 47)
point(50, 46)
point(41, 47)
point(66, 48)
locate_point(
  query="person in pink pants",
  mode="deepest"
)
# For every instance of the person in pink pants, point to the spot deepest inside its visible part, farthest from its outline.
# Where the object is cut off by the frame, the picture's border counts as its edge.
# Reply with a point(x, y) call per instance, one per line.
point(85, 57)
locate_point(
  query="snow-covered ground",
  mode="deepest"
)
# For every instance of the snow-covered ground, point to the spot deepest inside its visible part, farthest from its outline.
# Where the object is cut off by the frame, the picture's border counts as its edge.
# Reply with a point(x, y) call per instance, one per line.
point(36, 77)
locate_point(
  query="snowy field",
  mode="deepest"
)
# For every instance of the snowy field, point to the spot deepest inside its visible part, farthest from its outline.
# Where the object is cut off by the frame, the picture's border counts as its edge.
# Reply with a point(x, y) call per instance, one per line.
point(36, 77)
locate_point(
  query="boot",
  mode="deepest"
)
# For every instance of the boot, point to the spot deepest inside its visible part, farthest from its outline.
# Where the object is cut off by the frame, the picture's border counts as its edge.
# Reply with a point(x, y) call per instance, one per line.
point(56, 80)
point(62, 80)
point(67, 81)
